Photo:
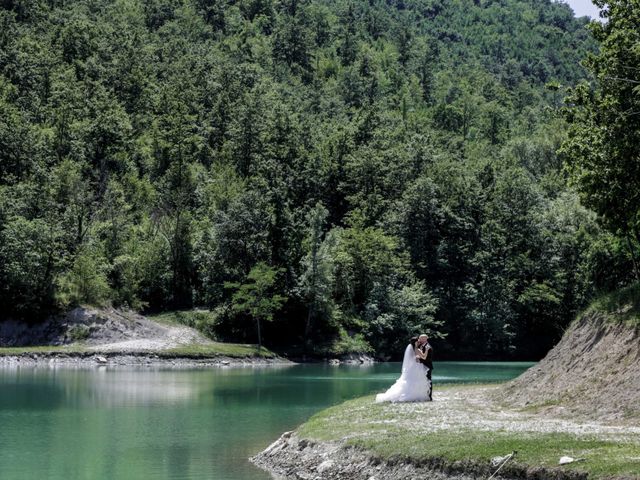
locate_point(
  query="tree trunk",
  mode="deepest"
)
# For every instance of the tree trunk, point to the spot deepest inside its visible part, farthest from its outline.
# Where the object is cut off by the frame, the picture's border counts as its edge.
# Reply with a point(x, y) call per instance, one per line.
point(307, 330)
point(259, 335)
point(634, 261)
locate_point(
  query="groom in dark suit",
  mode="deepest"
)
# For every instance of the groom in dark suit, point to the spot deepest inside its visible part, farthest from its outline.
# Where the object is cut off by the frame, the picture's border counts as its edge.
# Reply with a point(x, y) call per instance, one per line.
point(425, 357)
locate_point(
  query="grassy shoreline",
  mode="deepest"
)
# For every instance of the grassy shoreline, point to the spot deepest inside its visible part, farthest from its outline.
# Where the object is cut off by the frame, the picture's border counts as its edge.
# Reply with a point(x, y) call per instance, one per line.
point(195, 351)
point(394, 432)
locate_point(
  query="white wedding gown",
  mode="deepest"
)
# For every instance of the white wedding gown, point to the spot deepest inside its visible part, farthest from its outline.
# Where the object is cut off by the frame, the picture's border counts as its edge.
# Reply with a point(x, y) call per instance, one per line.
point(412, 385)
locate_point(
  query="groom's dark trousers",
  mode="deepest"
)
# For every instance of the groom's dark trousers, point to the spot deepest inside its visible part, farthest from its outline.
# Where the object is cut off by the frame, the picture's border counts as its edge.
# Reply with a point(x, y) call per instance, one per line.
point(428, 362)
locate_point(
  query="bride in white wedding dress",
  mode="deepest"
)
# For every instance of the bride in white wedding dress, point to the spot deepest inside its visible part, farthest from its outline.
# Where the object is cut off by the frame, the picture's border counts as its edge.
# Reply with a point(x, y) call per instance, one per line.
point(412, 385)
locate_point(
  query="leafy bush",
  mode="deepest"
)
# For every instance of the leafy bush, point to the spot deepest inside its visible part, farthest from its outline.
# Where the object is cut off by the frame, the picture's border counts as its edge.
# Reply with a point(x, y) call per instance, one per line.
point(344, 344)
point(623, 305)
point(205, 321)
point(86, 282)
point(78, 333)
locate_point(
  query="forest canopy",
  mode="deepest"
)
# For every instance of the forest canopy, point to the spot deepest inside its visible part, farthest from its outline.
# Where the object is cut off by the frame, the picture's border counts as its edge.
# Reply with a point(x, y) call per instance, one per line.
point(374, 169)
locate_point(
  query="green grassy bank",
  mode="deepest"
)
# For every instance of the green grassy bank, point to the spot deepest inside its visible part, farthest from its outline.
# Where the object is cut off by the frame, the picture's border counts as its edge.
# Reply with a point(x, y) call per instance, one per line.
point(622, 306)
point(397, 432)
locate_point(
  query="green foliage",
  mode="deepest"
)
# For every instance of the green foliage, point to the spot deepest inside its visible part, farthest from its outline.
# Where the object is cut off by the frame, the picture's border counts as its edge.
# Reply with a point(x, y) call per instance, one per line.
point(316, 280)
point(256, 297)
point(78, 333)
point(376, 291)
point(204, 321)
point(620, 305)
point(345, 344)
point(31, 252)
point(603, 145)
point(85, 282)
point(394, 163)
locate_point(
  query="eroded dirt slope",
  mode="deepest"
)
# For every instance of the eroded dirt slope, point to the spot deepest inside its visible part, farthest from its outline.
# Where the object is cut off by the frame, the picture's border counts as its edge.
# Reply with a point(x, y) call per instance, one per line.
point(593, 371)
point(101, 329)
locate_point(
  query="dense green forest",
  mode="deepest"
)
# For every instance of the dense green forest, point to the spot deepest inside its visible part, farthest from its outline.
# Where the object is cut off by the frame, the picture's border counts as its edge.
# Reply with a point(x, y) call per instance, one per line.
point(346, 172)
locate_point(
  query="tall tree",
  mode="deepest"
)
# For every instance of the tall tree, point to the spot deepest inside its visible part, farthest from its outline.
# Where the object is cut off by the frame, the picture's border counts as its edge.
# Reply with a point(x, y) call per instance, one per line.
point(603, 146)
point(316, 279)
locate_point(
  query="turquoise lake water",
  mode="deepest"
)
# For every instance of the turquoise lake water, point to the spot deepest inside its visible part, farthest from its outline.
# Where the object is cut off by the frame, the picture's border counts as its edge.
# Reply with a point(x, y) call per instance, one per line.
point(169, 424)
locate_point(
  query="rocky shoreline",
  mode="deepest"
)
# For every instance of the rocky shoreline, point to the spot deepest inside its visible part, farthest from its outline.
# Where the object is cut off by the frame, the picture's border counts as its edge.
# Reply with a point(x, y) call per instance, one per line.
point(96, 359)
point(294, 458)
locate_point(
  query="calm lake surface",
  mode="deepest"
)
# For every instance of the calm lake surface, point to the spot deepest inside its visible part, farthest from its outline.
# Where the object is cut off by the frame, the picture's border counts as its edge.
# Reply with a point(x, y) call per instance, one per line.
point(163, 424)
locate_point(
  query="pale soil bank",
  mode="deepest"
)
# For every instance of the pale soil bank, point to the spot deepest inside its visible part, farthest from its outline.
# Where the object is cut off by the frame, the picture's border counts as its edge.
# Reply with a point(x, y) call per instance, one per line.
point(87, 336)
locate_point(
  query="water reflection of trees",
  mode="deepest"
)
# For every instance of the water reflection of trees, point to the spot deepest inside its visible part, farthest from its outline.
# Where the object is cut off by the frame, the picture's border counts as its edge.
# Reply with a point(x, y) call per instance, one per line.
point(140, 387)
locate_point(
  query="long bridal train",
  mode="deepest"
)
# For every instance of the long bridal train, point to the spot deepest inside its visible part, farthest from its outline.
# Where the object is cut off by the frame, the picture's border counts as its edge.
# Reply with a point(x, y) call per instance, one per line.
point(412, 386)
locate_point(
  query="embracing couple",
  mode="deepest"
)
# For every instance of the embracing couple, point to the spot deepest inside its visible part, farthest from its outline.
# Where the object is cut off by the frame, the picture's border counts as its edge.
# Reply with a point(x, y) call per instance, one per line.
point(414, 384)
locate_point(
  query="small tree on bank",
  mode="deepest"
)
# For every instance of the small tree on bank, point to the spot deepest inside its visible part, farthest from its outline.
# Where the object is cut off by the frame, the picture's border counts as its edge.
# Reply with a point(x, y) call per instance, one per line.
point(255, 297)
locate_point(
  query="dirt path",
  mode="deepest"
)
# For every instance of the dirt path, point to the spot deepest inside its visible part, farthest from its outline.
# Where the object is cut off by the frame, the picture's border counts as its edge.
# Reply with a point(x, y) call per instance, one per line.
point(161, 338)
point(473, 408)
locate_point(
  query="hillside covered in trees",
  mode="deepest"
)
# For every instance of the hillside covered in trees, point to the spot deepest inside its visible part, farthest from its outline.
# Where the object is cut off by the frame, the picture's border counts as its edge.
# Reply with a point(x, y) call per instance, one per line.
point(346, 172)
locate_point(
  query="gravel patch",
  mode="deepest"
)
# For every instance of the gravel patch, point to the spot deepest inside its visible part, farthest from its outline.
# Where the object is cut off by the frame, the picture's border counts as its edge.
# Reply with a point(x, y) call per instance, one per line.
point(474, 408)
point(100, 329)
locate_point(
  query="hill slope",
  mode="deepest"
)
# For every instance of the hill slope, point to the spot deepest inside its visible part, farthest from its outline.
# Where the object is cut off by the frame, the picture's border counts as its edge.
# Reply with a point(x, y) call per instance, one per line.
point(595, 369)
point(393, 162)
point(121, 337)
point(104, 330)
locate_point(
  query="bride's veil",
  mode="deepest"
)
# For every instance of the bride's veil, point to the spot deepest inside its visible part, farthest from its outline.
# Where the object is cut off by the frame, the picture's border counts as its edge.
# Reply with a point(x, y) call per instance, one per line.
point(409, 359)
